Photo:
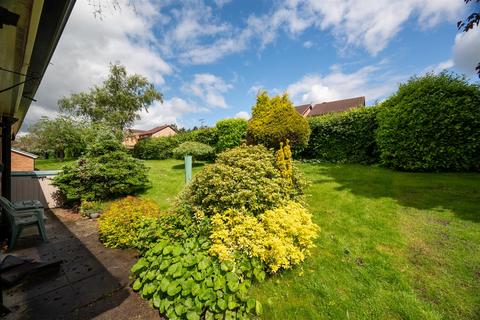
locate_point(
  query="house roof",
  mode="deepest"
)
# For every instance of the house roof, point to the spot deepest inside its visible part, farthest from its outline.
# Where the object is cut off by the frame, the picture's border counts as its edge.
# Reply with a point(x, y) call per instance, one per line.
point(336, 106)
point(151, 131)
point(303, 108)
point(25, 153)
point(331, 106)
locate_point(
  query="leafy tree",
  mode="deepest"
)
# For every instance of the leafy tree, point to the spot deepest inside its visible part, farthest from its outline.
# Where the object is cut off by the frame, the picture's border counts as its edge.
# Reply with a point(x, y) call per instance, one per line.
point(230, 133)
point(116, 102)
point(275, 120)
point(59, 136)
point(470, 22)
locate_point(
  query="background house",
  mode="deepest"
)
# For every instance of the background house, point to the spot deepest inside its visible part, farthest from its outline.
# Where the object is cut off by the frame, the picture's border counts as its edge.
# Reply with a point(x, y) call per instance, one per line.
point(132, 136)
point(22, 160)
point(312, 110)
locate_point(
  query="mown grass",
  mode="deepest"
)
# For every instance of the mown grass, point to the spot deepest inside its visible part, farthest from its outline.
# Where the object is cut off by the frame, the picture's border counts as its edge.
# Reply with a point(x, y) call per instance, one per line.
point(51, 164)
point(167, 178)
point(393, 245)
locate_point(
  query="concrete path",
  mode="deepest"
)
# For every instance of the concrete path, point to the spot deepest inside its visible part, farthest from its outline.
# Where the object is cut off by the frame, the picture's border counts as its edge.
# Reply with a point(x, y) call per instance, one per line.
point(93, 282)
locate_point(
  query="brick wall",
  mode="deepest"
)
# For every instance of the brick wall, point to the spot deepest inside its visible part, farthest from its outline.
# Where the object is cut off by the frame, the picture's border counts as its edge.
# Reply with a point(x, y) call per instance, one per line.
point(22, 163)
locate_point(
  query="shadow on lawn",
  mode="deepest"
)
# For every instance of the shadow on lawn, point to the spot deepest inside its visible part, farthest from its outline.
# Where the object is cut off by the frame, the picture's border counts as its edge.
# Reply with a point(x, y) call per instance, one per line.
point(195, 165)
point(458, 192)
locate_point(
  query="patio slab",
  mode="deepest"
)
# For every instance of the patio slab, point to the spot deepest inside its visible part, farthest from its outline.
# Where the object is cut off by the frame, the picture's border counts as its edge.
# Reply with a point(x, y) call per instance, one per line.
point(93, 281)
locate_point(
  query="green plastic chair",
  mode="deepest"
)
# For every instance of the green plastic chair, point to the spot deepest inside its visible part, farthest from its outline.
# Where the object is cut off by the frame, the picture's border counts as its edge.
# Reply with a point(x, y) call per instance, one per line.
point(22, 215)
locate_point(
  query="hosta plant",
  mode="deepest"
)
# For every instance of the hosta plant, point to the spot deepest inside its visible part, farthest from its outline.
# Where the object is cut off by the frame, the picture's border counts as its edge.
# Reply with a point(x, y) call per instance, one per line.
point(184, 282)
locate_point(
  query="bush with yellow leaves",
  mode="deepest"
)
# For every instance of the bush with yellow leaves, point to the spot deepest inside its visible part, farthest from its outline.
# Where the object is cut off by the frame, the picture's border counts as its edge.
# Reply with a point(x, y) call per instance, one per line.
point(281, 237)
point(120, 224)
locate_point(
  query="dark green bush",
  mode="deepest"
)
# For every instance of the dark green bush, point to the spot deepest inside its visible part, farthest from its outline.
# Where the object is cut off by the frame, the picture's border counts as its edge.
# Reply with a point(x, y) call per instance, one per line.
point(243, 177)
point(205, 135)
point(154, 148)
point(231, 132)
point(431, 124)
point(345, 137)
point(275, 120)
point(106, 172)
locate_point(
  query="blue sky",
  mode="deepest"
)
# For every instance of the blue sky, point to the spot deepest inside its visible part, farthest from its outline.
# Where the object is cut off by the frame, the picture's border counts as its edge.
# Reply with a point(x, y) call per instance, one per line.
point(210, 58)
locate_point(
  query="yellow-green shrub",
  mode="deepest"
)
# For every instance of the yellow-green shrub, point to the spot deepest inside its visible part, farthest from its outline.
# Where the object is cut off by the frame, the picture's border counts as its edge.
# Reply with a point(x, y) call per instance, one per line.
point(280, 237)
point(121, 222)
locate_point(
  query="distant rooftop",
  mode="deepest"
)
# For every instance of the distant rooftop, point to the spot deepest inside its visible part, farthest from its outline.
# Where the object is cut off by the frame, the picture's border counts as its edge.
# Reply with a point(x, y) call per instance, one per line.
point(312, 110)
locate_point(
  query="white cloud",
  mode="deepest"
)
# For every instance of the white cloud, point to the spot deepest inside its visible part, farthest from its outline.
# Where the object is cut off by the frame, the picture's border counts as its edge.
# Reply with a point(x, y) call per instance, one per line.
point(169, 112)
point(255, 89)
point(466, 51)
point(89, 44)
point(243, 115)
point(439, 67)
point(367, 81)
point(307, 44)
point(209, 88)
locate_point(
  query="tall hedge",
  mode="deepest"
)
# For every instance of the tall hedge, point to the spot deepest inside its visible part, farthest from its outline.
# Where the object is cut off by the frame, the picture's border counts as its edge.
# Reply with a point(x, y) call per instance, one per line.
point(431, 124)
point(275, 120)
point(344, 137)
point(230, 133)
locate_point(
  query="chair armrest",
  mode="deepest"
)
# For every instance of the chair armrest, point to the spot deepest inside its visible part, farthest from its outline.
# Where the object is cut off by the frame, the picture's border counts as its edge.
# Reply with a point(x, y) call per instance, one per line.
point(29, 213)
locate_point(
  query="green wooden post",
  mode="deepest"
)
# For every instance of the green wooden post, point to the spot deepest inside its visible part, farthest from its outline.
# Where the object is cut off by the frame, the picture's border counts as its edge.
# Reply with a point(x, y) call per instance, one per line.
point(188, 169)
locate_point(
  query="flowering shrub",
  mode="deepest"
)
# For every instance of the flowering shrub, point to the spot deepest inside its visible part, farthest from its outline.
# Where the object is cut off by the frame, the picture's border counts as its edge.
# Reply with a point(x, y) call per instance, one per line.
point(120, 224)
point(280, 237)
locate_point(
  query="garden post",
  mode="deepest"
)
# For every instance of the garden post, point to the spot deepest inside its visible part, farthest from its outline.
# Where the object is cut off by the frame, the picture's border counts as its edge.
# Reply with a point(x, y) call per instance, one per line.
point(188, 169)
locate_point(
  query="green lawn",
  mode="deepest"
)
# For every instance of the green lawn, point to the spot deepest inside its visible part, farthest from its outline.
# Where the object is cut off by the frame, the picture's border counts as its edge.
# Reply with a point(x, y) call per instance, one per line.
point(393, 245)
point(51, 164)
point(167, 178)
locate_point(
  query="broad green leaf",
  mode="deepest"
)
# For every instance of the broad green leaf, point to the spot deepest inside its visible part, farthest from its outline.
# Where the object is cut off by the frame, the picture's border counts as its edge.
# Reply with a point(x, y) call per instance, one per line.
point(164, 284)
point(219, 282)
point(251, 304)
point(192, 315)
point(156, 300)
point(222, 304)
point(258, 308)
point(137, 285)
point(139, 266)
point(173, 289)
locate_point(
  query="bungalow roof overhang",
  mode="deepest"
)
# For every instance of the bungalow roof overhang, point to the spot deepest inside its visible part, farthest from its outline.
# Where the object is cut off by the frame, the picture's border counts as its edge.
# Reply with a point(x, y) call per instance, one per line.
point(26, 47)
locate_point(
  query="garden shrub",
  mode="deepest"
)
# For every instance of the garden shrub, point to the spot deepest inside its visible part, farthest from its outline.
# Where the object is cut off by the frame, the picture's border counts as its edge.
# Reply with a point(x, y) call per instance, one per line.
point(281, 237)
point(231, 132)
point(344, 137)
point(243, 177)
point(205, 135)
point(184, 282)
point(197, 150)
point(162, 147)
point(120, 224)
point(154, 148)
point(431, 124)
point(275, 120)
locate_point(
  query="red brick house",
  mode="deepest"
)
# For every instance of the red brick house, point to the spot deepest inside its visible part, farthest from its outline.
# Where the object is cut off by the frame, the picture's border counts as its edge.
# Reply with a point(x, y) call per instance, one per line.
point(312, 110)
point(22, 160)
point(132, 136)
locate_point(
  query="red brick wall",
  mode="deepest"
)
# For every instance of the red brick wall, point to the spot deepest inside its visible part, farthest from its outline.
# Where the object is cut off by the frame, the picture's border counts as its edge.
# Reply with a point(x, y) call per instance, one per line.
point(22, 163)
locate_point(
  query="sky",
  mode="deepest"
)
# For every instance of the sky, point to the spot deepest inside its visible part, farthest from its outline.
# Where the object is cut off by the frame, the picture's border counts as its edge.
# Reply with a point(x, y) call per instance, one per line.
point(210, 58)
